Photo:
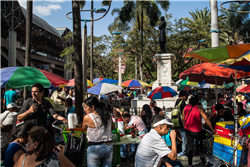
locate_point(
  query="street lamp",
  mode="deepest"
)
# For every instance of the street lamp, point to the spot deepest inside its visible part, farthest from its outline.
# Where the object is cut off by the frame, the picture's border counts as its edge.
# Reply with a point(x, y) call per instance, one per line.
point(120, 67)
point(84, 41)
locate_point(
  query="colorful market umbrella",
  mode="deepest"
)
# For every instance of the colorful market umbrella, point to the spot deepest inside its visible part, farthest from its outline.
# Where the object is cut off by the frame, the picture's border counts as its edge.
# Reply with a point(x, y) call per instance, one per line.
point(103, 88)
point(135, 83)
point(184, 88)
point(97, 79)
point(20, 77)
point(245, 89)
point(106, 80)
point(240, 87)
point(242, 63)
point(162, 92)
point(151, 83)
point(216, 54)
point(211, 73)
point(72, 83)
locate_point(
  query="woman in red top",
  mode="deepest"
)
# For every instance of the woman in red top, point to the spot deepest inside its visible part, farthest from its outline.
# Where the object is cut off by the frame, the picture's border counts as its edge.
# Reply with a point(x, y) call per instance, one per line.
point(191, 119)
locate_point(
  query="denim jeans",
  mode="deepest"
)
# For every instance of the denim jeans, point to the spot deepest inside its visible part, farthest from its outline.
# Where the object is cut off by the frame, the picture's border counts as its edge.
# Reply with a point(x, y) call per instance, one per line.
point(124, 151)
point(184, 142)
point(99, 153)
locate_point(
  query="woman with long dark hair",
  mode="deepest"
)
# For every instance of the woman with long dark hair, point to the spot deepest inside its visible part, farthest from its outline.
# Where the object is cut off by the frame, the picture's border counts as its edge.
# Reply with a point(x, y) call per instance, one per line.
point(146, 116)
point(99, 125)
point(191, 119)
point(41, 151)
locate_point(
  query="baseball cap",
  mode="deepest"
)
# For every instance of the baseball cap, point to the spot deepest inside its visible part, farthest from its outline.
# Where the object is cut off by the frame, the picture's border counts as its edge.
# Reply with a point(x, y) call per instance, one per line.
point(164, 121)
point(11, 105)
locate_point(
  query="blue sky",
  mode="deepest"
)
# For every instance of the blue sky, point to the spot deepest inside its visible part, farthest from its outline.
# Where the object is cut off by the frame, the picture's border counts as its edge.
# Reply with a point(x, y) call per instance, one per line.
point(54, 12)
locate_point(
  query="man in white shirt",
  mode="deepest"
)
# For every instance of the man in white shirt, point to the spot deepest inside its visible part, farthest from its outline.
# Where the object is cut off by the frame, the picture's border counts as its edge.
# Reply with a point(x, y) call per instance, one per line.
point(8, 123)
point(7, 117)
point(153, 151)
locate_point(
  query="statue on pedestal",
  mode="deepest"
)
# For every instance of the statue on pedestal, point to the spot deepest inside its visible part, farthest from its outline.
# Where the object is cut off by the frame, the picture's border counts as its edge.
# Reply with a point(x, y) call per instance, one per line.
point(162, 38)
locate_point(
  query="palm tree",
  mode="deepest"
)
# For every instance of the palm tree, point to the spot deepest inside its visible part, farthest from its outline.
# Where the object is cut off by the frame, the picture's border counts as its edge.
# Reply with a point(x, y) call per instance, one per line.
point(236, 22)
point(134, 11)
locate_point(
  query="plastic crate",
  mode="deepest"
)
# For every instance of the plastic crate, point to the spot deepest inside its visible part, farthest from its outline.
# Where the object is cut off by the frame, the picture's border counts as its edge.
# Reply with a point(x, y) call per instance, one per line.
point(226, 124)
point(225, 153)
point(116, 160)
point(225, 141)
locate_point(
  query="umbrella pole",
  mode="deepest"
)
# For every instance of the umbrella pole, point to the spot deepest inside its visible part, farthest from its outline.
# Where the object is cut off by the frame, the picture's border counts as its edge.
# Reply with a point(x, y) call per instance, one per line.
point(24, 93)
point(216, 91)
point(235, 122)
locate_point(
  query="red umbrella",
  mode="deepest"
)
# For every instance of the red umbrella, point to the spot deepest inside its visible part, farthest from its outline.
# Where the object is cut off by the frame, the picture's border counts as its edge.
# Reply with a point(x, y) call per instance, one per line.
point(212, 73)
point(246, 89)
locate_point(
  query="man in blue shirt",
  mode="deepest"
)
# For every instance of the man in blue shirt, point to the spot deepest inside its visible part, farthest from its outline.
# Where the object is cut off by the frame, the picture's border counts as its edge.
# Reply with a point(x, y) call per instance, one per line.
point(70, 107)
point(10, 96)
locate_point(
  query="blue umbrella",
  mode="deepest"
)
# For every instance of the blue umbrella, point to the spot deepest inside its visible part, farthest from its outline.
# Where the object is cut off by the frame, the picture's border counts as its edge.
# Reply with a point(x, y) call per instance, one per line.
point(103, 88)
point(162, 92)
point(106, 80)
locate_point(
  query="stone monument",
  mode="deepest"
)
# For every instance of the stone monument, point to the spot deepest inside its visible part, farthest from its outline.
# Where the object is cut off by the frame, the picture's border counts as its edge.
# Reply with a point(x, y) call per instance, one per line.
point(164, 74)
point(163, 59)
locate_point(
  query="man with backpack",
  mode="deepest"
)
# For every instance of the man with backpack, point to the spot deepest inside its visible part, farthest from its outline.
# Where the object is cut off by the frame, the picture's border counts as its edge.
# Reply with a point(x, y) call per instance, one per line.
point(176, 116)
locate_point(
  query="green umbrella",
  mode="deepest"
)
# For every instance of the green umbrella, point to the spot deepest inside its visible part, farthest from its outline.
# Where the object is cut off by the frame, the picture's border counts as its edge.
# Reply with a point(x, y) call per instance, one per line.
point(216, 54)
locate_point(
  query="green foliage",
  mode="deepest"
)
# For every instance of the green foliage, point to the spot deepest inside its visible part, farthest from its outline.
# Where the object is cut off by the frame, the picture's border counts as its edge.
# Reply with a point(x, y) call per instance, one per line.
point(237, 23)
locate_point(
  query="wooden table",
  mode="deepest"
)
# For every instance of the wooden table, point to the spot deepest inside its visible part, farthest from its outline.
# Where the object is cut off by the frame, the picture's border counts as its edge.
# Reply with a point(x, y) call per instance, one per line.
point(127, 139)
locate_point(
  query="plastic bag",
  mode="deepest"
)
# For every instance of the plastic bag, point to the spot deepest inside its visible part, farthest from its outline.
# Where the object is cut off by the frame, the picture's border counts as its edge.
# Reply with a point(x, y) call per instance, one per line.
point(74, 148)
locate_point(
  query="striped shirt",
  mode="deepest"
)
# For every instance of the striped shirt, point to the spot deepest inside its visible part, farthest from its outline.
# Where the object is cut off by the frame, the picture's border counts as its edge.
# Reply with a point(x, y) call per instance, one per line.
point(151, 150)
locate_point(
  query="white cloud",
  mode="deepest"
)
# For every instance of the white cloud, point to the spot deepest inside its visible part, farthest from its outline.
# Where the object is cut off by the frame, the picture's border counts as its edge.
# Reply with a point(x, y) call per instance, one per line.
point(45, 10)
point(23, 3)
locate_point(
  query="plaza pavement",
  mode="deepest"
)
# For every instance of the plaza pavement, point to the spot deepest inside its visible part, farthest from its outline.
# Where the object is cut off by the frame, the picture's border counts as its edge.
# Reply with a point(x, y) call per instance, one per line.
point(196, 162)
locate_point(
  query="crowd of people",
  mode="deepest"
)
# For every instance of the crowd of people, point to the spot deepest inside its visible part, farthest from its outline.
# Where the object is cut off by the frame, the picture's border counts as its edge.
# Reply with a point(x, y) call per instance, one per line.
point(163, 139)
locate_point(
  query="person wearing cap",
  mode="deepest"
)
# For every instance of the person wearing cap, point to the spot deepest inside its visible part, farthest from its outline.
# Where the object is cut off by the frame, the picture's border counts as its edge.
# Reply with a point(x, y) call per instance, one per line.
point(153, 151)
point(183, 96)
point(191, 120)
point(7, 117)
point(8, 124)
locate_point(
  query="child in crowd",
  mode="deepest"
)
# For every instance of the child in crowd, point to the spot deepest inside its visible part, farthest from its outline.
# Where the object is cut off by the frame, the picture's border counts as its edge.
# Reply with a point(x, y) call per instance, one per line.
point(70, 107)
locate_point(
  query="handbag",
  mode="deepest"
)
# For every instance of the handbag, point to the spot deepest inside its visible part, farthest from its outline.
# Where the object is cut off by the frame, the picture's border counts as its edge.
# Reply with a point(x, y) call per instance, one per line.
point(74, 148)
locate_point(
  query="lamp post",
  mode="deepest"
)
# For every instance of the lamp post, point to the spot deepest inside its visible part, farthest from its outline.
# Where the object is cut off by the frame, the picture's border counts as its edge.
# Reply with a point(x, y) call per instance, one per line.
point(84, 41)
point(120, 66)
point(119, 70)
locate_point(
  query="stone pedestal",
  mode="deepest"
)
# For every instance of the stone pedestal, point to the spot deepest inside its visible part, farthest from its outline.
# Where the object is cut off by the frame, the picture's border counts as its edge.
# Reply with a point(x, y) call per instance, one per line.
point(164, 73)
point(164, 78)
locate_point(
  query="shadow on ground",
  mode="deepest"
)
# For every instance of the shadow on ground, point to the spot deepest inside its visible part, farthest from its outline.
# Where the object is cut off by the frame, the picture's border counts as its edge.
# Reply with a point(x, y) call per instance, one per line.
point(196, 162)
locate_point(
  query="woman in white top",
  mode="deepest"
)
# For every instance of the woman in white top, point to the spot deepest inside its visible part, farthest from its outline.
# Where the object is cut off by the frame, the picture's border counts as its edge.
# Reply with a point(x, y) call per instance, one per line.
point(99, 126)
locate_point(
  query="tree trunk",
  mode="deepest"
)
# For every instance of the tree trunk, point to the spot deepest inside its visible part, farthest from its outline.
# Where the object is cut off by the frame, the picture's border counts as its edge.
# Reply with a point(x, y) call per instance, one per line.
point(84, 58)
point(141, 72)
point(136, 67)
point(28, 32)
point(77, 57)
point(214, 23)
